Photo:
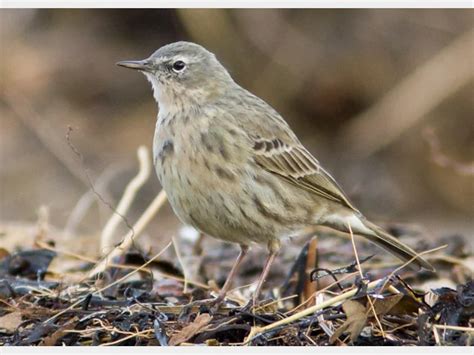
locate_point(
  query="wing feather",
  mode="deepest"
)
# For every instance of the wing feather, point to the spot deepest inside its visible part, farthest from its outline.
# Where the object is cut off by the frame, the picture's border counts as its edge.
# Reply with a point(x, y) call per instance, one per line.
point(297, 166)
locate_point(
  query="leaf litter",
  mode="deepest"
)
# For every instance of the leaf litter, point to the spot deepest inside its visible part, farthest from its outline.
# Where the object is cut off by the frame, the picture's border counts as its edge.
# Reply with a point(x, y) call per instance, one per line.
point(43, 307)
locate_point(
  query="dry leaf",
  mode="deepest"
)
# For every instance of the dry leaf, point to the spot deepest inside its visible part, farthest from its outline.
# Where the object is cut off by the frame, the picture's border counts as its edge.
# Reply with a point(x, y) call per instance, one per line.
point(191, 329)
point(10, 322)
point(384, 305)
point(357, 315)
point(356, 318)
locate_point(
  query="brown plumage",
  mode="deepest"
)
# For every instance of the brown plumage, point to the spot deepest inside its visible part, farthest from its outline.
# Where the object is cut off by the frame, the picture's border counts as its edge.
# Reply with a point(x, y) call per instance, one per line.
point(233, 168)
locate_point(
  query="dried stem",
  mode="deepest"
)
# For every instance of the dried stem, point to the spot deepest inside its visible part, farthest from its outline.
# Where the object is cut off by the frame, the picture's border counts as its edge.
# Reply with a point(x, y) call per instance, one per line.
point(183, 266)
point(87, 199)
point(111, 284)
point(45, 245)
point(454, 327)
point(138, 228)
point(372, 308)
point(311, 310)
point(106, 240)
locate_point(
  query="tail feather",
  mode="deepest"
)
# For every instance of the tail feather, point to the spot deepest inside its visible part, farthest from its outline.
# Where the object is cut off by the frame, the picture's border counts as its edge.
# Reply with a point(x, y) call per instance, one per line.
point(393, 245)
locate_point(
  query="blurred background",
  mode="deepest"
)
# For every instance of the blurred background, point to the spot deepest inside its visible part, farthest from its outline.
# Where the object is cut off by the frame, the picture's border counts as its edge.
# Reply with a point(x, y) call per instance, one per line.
point(383, 98)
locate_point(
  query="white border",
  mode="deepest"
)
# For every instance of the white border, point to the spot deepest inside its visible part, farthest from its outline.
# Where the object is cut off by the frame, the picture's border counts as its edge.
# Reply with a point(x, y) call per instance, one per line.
point(203, 350)
point(236, 4)
point(198, 350)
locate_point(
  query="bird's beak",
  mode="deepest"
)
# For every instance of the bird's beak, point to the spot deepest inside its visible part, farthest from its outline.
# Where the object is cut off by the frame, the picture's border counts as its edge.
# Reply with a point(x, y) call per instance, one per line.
point(143, 65)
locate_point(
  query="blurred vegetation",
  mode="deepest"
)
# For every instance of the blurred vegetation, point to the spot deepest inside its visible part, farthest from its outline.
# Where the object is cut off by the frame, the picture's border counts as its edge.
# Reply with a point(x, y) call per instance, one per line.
point(322, 69)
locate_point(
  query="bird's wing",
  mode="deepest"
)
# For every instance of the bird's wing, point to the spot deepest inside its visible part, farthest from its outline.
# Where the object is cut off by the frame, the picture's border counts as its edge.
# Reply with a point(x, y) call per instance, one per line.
point(292, 162)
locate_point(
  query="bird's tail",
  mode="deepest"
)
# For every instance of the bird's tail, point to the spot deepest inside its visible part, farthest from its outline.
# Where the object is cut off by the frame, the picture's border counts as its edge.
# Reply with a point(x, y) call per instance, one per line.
point(378, 236)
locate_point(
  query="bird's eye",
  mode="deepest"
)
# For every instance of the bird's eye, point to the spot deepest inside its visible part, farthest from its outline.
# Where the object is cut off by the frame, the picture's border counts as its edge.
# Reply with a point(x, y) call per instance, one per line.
point(178, 66)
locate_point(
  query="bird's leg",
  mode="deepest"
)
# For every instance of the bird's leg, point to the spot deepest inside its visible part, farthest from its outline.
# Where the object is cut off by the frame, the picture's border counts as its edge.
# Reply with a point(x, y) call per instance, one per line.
point(216, 302)
point(228, 283)
point(273, 248)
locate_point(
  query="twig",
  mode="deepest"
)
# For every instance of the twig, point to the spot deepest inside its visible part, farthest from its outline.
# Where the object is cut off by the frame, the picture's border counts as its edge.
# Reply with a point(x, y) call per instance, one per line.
point(138, 228)
point(409, 101)
point(111, 284)
point(254, 331)
point(119, 266)
point(86, 200)
point(454, 327)
point(362, 277)
point(106, 239)
point(345, 277)
point(408, 262)
point(183, 266)
point(321, 321)
point(42, 224)
point(118, 341)
point(436, 336)
point(277, 301)
point(89, 179)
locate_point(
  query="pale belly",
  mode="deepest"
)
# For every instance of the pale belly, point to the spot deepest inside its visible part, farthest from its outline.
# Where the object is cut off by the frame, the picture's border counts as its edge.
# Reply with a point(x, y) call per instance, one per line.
point(232, 200)
point(214, 207)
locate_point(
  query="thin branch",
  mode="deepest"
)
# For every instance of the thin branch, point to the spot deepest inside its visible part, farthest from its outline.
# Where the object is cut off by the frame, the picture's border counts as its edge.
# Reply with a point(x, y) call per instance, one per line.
point(106, 239)
point(118, 266)
point(308, 311)
point(87, 199)
point(78, 302)
point(372, 308)
point(138, 228)
point(454, 327)
point(183, 266)
point(408, 262)
point(317, 293)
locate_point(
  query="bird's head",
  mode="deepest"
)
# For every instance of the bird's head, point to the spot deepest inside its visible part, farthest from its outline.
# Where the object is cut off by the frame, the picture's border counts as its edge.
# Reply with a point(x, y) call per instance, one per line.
point(183, 73)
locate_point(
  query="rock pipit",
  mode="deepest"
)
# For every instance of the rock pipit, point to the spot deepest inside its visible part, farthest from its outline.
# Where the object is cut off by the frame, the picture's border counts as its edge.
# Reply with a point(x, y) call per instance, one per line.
point(233, 168)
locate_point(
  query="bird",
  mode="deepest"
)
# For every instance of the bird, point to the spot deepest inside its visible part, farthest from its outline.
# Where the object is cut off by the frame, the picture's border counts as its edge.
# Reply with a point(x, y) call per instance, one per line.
point(232, 167)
